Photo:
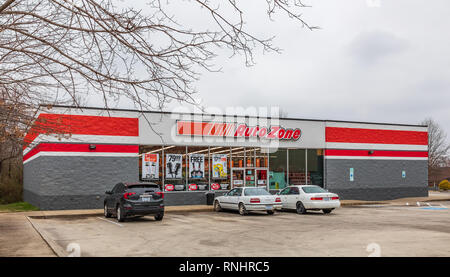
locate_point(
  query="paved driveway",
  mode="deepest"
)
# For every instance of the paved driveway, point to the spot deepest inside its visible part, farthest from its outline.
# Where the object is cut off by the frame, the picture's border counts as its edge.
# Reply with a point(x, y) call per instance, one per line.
point(352, 231)
point(19, 238)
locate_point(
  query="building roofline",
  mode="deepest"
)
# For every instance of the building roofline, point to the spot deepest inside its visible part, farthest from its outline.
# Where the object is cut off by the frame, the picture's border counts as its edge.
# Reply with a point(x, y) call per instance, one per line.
point(246, 116)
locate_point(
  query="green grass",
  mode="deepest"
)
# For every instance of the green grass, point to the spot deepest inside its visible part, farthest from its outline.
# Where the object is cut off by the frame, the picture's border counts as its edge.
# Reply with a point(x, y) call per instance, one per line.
point(18, 207)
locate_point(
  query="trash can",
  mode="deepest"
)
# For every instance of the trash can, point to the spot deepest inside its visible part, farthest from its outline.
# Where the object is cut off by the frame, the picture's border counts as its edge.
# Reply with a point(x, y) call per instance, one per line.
point(210, 198)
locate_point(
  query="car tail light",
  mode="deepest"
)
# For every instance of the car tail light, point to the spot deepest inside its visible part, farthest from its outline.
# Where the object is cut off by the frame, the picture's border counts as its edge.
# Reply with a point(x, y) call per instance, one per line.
point(316, 198)
point(128, 194)
point(335, 198)
point(254, 200)
point(278, 199)
point(160, 193)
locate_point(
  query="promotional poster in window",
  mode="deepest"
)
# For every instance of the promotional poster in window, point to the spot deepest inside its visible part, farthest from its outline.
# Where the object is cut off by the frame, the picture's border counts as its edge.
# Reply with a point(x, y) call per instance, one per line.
point(219, 166)
point(173, 166)
point(150, 166)
point(197, 166)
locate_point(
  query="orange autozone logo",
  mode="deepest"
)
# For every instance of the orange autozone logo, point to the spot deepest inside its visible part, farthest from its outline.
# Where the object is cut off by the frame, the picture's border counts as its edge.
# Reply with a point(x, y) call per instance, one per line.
point(238, 130)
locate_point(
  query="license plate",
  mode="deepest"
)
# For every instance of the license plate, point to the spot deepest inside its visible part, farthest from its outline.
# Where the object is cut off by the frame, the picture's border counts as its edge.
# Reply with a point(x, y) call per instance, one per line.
point(326, 198)
point(268, 207)
point(145, 199)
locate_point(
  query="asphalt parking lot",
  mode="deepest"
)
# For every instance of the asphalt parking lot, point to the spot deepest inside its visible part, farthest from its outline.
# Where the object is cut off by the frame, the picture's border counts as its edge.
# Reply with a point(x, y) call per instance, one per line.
point(349, 231)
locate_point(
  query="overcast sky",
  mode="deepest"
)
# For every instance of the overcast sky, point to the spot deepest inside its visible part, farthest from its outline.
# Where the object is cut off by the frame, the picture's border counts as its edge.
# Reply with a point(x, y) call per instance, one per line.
point(372, 60)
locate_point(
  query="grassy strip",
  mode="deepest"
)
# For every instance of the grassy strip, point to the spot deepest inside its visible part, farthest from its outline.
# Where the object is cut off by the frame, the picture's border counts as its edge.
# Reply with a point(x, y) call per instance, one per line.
point(18, 207)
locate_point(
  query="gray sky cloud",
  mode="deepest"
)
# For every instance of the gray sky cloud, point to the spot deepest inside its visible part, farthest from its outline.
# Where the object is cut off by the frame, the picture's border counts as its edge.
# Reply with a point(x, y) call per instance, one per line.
point(372, 46)
point(385, 64)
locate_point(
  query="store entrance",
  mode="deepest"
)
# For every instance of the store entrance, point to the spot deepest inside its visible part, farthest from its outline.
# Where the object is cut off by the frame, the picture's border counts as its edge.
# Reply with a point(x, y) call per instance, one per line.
point(249, 177)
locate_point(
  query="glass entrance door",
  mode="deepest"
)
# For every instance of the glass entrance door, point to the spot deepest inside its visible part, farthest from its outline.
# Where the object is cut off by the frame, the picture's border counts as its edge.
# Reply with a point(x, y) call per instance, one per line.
point(261, 177)
point(237, 177)
point(250, 177)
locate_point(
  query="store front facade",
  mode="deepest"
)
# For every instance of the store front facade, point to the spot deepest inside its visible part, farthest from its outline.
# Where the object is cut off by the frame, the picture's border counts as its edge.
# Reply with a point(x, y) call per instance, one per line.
point(88, 151)
point(204, 168)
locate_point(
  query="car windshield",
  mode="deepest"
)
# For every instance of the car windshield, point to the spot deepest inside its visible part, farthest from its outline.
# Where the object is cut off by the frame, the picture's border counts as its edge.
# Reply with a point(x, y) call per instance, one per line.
point(313, 189)
point(256, 191)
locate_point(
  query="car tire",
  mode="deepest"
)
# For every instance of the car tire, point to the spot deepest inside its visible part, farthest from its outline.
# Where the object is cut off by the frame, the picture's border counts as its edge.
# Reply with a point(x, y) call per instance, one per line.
point(300, 208)
point(327, 211)
point(217, 207)
point(159, 217)
point(119, 213)
point(270, 212)
point(242, 209)
point(106, 213)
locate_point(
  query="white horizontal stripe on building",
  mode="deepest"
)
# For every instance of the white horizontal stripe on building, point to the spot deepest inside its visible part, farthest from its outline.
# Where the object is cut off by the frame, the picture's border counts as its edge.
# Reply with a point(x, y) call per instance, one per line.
point(375, 158)
point(91, 139)
point(374, 146)
point(81, 154)
point(375, 126)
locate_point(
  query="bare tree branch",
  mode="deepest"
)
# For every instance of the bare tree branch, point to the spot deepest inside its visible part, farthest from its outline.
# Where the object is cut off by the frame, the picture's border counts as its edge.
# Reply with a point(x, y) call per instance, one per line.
point(64, 51)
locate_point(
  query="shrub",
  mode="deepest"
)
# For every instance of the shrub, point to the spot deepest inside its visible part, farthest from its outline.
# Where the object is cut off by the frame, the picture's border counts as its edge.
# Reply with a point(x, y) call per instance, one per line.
point(444, 185)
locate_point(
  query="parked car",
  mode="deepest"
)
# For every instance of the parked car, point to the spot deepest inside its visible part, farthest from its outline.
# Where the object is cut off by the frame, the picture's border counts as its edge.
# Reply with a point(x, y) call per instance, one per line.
point(134, 199)
point(308, 197)
point(247, 199)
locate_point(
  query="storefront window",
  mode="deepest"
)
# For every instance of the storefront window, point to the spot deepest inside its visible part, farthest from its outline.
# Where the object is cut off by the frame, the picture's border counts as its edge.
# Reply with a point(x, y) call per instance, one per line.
point(174, 168)
point(198, 168)
point(249, 157)
point(220, 168)
point(150, 164)
point(237, 166)
point(277, 169)
point(315, 167)
point(261, 158)
point(297, 167)
point(237, 154)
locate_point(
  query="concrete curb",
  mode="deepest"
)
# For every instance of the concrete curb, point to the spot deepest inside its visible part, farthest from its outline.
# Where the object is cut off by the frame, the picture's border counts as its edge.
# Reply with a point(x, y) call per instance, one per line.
point(362, 203)
point(98, 212)
point(56, 248)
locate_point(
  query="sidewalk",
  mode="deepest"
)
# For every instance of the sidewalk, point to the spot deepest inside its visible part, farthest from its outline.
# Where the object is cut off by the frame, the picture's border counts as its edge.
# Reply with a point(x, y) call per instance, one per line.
point(97, 212)
point(432, 196)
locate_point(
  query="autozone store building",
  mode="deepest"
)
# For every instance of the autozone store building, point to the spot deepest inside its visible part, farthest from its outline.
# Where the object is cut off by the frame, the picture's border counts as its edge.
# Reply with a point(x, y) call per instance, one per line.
point(74, 155)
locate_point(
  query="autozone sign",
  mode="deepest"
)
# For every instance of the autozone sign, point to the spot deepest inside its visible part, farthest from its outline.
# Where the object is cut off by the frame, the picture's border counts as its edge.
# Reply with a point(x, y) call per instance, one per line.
point(238, 130)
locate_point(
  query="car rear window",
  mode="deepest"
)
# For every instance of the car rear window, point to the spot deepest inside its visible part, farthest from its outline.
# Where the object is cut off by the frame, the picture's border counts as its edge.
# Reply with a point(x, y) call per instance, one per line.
point(313, 189)
point(143, 187)
point(255, 191)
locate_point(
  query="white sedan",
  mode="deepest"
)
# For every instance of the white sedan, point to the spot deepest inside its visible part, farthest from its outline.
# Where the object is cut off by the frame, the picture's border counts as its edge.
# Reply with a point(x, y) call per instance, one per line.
point(247, 199)
point(303, 198)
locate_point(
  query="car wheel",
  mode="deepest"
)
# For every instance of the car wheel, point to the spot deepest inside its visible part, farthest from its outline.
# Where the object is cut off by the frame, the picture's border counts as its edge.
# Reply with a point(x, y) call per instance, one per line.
point(120, 215)
point(159, 217)
point(107, 214)
point(270, 212)
point(327, 211)
point(300, 208)
point(242, 210)
point(217, 207)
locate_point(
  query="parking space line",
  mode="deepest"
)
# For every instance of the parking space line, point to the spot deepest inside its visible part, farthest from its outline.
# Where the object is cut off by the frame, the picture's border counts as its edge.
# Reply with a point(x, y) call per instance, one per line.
point(110, 221)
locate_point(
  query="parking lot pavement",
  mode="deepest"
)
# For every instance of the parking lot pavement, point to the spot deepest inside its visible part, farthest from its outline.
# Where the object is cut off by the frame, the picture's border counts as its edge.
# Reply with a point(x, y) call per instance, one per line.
point(354, 231)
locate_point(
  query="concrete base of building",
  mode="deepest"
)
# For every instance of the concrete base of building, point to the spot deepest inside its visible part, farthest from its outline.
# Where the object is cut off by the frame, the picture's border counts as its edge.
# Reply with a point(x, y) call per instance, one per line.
point(72, 202)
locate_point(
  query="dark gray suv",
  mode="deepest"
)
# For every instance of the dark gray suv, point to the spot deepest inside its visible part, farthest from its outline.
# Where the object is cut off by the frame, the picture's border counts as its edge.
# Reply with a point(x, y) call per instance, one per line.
point(134, 199)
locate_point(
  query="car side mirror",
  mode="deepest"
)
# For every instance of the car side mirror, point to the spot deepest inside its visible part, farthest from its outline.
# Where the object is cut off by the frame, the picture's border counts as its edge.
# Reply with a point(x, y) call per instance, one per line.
point(108, 192)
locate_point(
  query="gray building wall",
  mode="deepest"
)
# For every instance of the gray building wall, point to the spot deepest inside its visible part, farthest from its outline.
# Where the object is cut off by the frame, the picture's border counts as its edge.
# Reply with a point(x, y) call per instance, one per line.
point(75, 182)
point(71, 182)
point(376, 179)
